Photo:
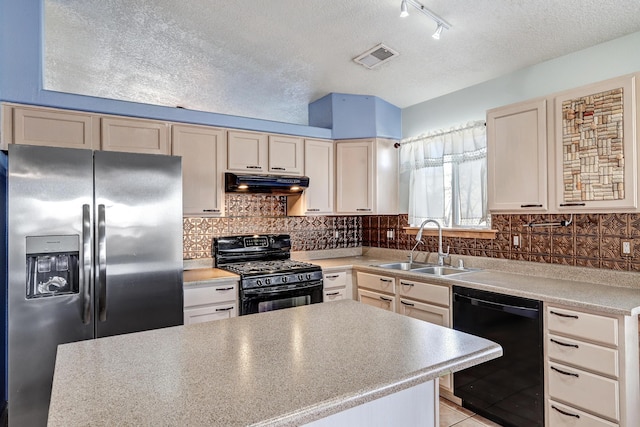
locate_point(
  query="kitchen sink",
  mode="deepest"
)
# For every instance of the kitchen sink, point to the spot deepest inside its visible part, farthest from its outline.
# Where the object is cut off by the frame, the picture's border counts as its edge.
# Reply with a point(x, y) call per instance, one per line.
point(440, 270)
point(431, 269)
point(403, 265)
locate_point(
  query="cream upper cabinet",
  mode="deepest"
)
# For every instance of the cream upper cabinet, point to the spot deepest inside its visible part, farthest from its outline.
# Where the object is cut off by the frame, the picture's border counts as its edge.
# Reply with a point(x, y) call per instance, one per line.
point(49, 127)
point(203, 152)
point(596, 149)
point(286, 155)
point(319, 167)
point(134, 135)
point(517, 157)
point(247, 152)
point(366, 177)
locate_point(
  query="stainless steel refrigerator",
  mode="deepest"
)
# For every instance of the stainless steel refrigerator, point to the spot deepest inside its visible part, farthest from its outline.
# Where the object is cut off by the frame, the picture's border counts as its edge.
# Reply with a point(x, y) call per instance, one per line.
point(94, 250)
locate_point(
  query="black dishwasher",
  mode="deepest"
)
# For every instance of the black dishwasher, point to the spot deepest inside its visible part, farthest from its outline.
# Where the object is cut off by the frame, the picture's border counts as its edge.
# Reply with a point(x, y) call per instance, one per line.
point(508, 390)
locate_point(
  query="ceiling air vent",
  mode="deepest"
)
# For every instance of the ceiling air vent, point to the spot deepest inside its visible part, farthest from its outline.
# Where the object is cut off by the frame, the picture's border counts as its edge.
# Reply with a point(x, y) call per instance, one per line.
point(376, 56)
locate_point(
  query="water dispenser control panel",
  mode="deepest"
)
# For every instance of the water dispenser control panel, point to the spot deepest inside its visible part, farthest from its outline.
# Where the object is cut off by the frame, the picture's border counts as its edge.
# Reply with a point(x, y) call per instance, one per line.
point(52, 265)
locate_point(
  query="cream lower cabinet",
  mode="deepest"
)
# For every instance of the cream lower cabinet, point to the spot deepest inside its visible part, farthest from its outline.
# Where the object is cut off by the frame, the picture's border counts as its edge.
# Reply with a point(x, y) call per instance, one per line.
point(203, 152)
point(591, 369)
point(430, 303)
point(366, 176)
point(377, 291)
point(337, 285)
point(206, 302)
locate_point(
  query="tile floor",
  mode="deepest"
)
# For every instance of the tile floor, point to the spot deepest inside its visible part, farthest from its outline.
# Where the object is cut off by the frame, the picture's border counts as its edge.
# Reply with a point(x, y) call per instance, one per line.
point(454, 415)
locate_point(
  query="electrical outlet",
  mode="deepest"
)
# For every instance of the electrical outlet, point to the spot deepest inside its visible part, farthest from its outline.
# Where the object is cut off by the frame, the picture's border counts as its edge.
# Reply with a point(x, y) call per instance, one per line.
point(516, 240)
point(336, 234)
point(626, 248)
point(390, 233)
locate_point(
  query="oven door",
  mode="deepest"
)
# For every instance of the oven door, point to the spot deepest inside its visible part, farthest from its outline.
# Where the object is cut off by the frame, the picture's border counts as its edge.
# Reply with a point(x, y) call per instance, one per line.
point(259, 300)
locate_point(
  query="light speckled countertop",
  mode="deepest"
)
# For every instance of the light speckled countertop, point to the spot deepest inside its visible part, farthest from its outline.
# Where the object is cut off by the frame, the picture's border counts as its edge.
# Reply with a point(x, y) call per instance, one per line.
point(279, 368)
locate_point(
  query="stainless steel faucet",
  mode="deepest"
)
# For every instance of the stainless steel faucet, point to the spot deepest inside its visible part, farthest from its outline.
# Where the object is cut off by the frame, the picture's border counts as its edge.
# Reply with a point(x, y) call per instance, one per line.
point(441, 255)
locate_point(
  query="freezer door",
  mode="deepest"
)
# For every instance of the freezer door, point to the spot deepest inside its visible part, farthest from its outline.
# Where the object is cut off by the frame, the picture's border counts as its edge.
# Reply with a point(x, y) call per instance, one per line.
point(50, 197)
point(138, 229)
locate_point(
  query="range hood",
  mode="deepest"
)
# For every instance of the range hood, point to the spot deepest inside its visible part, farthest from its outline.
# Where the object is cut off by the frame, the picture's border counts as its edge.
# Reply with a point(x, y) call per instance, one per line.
point(273, 184)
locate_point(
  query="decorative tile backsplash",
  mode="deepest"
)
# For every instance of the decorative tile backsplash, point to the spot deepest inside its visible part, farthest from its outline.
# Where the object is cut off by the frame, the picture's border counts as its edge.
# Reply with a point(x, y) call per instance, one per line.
point(591, 240)
point(251, 214)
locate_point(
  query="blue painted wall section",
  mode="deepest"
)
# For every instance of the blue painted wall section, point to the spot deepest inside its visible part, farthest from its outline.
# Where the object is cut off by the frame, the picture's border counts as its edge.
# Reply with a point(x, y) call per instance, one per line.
point(356, 116)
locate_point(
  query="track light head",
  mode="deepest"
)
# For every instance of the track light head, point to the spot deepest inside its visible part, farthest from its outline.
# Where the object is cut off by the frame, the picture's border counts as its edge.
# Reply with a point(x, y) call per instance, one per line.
point(438, 31)
point(404, 9)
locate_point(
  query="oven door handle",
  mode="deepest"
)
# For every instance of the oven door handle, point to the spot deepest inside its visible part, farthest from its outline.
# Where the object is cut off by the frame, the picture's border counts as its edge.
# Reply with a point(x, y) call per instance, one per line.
point(275, 290)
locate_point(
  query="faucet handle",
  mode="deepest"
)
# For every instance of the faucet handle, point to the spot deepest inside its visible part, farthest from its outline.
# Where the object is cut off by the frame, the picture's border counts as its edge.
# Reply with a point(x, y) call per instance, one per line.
point(447, 254)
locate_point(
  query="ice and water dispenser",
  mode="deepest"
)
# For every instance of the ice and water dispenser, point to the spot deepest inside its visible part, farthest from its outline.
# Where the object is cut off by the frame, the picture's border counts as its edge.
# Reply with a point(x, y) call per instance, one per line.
point(52, 265)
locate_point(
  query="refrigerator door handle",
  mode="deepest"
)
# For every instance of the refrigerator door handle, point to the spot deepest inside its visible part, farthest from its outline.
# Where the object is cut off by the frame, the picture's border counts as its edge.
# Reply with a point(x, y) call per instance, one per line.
point(102, 265)
point(86, 264)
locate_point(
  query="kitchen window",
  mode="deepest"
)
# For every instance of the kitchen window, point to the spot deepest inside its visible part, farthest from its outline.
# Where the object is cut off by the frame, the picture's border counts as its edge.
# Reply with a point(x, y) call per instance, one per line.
point(448, 176)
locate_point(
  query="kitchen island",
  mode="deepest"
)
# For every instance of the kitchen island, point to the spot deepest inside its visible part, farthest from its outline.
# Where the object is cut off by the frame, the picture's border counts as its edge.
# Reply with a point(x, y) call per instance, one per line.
point(296, 366)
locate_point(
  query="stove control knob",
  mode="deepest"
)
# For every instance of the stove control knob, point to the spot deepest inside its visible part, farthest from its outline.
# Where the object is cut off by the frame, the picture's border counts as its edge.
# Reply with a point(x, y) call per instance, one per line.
point(300, 277)
point(308, 276)
point(285, 279)
point(259, 282)
point(267, 281)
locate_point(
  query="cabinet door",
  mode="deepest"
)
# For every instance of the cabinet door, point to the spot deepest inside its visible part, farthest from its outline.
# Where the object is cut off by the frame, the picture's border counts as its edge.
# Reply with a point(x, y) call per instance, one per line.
point(517, 157)
point(596, 152)
point(247, 152)
point(354, 177)
point(134, 136)
point(386, 302)
point(203, 155)
point(286, 155)
point(427, 312)
point(209, 313)
point(318, 166)
point(49, 127)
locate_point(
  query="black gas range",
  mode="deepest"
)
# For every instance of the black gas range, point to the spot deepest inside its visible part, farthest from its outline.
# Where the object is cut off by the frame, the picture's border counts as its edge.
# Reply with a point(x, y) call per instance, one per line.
point(269, 278)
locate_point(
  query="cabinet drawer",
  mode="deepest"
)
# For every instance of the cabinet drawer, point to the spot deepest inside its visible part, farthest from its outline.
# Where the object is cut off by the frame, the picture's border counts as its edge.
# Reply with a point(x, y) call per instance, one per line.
point(565, 416)
point(375, 299)
point(377, 283)
point(425, 292)
point(335, 280)
point(334, 294)
point(582, 325)
point(210, 294)
point(584, 355)
point(209, 313)
point(587, 391)
point(427, 312)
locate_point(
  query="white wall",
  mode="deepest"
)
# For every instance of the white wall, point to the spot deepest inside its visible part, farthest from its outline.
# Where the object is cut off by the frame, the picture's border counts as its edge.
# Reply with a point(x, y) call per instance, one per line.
point(611, 59)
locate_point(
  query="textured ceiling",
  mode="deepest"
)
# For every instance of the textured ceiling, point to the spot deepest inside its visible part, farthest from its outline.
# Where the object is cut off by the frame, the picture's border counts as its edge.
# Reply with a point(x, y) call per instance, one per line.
point(270, 59)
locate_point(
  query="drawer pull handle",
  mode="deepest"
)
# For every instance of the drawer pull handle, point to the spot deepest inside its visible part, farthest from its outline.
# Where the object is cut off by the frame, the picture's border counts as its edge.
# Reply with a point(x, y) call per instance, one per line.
point(407, 303)
point(568, 414)
point(313, 210)
point(332, 276)
point(254, 167)
point(567, 205)
point(531, 206)
point(572, 316)
point(385, 280)
point(564, 344)
point(363, 209)
point(224, 289)
point(278, 169)
point(572, 374)
point(333, 294)
point(406, 284)
point(386, 299)
point(211, 210)
point(224, 309)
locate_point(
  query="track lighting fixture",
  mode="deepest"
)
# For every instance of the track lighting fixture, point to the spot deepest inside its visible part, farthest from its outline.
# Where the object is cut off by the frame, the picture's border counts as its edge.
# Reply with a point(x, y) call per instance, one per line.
point(404, 9)
point(436, 35)
point(442, 24)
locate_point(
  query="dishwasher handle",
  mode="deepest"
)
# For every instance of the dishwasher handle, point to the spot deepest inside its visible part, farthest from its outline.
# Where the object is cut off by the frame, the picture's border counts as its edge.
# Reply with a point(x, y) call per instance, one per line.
point(532, 313)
